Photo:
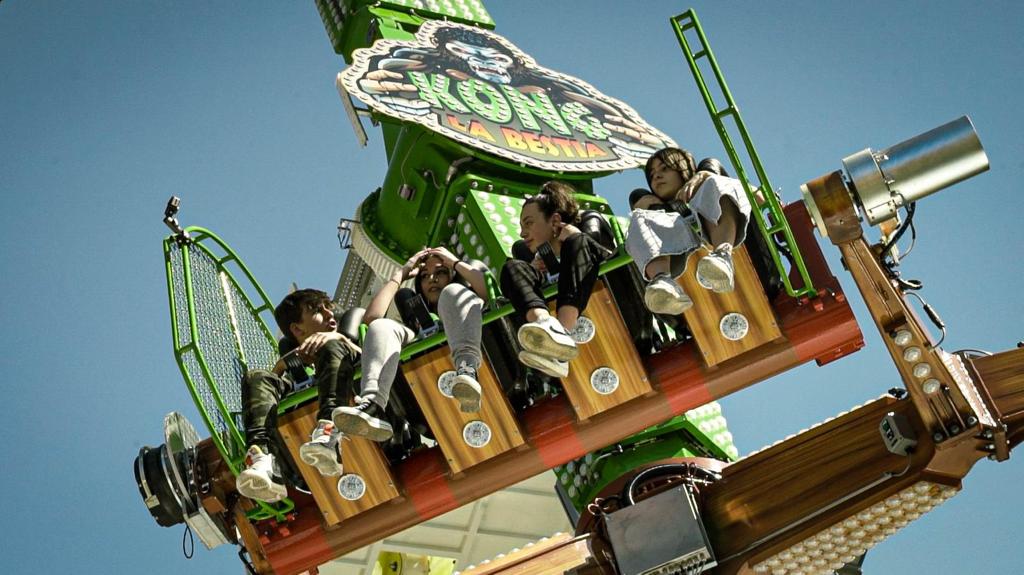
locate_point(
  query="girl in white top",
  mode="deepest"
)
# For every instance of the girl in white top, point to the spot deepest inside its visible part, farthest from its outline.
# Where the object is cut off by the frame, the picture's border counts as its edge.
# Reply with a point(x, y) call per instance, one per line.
point(689, 206)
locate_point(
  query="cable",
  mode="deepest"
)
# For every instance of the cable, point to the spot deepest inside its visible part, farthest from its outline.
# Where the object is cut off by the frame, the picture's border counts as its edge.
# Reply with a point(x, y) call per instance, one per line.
point(191, 549)
point(908, 223)
point(913, 240)
point(890, 263)
point(934, 316)
point(972, 350)
point(683, 469)
point(242, 552)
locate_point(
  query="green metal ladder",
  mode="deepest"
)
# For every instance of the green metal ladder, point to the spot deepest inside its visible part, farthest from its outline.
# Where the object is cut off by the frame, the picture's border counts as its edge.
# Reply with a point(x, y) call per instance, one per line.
point(768, 212)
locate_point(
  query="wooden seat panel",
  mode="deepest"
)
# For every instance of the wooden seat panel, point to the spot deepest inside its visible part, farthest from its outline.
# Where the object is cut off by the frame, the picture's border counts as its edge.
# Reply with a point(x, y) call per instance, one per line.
point(448, 423)
point(360, 457)
point(709, 308)
point(611, 348)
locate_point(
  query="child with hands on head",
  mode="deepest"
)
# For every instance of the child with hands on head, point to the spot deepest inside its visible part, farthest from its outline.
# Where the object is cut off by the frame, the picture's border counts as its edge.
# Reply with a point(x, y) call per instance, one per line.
point(455, 291)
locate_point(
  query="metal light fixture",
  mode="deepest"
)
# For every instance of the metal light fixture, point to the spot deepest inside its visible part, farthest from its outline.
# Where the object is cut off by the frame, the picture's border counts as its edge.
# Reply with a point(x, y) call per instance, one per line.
point(882, 182)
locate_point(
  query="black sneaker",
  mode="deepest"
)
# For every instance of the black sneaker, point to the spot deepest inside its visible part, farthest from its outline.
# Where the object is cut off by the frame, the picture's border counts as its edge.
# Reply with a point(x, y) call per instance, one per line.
point(363, 420)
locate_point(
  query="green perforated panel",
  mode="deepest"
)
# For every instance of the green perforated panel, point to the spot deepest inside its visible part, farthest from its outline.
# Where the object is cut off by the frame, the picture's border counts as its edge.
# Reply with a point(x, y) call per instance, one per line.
point(701, 432)
point(468, 11)
point(488, 225)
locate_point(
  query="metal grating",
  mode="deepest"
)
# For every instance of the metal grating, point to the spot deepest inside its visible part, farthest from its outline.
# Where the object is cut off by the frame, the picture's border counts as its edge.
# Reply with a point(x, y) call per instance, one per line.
point(177, 272)
point(229, 337)
point(354, 283)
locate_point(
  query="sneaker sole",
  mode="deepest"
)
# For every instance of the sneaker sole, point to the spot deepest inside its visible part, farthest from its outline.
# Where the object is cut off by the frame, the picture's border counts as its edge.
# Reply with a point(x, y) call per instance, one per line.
point(260, 489)
point(714, 277)
point(532, 361)
point(469, 396)
point(666, 303)
point(361, 425)
point(538, 340)
point(321, 459)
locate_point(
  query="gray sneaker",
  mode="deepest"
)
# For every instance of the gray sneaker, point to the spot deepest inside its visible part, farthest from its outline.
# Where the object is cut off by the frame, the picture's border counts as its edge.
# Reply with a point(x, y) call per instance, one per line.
point(664, 296)
point(323, 450)
point(715, 271)
point(466, 389)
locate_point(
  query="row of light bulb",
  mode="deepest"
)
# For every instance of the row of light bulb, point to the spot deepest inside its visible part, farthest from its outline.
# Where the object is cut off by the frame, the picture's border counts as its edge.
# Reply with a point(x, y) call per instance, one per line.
point(843, 542)
point(815, 426)
point(912, 354)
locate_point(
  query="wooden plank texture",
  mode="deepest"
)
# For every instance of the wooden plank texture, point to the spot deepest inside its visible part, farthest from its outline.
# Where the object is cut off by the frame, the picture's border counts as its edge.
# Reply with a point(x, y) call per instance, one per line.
point(709, 307)
point(359, 456)
point(557, 554)
point(611, 347)
point(448, 422)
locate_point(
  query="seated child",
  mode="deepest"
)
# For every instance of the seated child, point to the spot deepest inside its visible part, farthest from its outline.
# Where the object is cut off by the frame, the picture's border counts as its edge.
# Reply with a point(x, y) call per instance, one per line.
point(549, 218)
point(661, 237)
point(453, 289)
point(307, 320)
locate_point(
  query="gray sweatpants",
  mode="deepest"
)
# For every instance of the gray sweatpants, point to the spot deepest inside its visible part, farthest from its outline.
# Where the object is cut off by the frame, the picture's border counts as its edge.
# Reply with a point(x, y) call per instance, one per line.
point(461, 315)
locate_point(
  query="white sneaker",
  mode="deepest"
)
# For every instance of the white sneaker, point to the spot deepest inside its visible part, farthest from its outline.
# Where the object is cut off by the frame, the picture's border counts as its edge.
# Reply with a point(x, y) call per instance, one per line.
point(664, 296)
point(715, 272)
point(256, 481)
point(323, 450)
point(544, 364)
point(547, 337)
point(466, 389)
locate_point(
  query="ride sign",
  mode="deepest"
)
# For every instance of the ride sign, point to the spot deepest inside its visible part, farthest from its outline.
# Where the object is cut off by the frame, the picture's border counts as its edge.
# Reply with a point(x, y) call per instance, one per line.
point(478, 88)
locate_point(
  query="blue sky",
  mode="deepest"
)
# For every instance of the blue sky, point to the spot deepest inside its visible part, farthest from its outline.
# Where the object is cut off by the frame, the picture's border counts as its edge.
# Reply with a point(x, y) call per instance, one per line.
point(109, 108)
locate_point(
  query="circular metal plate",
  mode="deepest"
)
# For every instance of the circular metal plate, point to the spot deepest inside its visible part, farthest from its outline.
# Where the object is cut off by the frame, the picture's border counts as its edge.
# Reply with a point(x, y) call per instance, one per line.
point(351, 487)
point(180, 439)
point(584, 330)
point(444, 383)
point(734, 326)
point(604, 380)
point(476, 434)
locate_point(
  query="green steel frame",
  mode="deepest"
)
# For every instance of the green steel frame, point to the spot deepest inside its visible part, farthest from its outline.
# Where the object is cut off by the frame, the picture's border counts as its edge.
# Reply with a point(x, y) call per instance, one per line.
point(768, 202)
point(230, 443)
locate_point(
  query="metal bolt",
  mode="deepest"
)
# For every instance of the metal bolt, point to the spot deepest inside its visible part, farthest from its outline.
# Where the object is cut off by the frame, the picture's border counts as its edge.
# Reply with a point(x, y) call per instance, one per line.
point(990, 447)
point(971, 420)
point(987, 434)
point(954, 429)
point(938, 436)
